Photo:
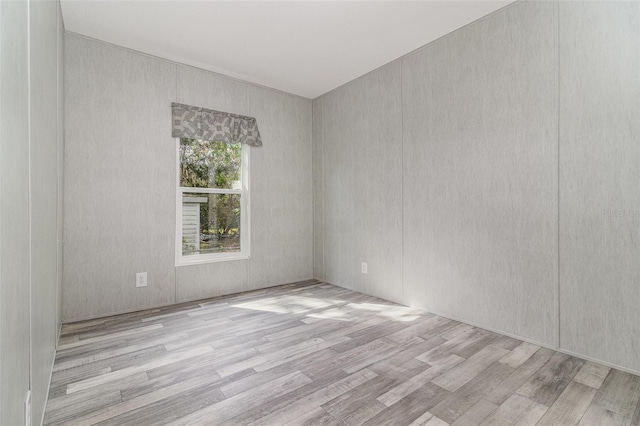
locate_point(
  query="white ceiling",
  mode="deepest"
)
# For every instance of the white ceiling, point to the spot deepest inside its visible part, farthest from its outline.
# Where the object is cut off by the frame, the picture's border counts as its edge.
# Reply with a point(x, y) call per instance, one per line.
point(302, 47)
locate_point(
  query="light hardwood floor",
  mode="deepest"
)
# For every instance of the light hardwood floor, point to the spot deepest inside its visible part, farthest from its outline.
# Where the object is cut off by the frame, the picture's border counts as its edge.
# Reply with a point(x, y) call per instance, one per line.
point(315, 354)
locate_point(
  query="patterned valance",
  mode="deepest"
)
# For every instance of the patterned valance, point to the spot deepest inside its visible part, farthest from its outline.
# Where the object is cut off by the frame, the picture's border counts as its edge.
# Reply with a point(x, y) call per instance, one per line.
point(209, 125)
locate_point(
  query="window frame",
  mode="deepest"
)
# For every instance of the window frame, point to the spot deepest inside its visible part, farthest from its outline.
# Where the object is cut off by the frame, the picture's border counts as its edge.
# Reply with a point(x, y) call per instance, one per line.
point(245, 221)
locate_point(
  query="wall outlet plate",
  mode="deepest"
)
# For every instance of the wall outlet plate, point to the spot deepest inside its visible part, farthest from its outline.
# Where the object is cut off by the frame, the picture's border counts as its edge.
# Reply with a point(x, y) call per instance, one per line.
point(141, 279)
point(363, 268)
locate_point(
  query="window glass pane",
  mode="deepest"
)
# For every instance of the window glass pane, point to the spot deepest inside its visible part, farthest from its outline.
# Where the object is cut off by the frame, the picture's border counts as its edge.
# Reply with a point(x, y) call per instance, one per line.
point(205, 164)
point(210, 223)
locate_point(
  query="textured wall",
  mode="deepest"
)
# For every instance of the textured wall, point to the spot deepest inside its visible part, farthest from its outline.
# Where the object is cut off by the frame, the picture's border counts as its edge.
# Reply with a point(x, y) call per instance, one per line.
point(119, 176)
point(504, 193)
point(120, 182)
point(480, 175)
point(599, 175)
point(30, 143)
point(44, 197)
point(361, 159)
point(14, 208)
point(281, 192)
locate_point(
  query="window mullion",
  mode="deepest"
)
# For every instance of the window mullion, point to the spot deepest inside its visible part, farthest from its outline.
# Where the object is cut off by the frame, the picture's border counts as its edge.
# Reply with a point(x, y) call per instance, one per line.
point(186, 190)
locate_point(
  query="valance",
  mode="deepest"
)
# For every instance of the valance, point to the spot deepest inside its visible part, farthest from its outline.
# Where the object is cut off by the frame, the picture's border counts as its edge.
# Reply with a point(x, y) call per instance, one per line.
point(209, 125)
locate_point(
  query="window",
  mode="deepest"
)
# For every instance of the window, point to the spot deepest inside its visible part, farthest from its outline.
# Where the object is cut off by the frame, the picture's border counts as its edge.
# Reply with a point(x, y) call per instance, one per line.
point(212, 201)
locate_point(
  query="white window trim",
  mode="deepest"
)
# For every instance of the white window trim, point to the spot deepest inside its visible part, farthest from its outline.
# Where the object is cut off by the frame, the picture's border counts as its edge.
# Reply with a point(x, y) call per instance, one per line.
point(245, 209)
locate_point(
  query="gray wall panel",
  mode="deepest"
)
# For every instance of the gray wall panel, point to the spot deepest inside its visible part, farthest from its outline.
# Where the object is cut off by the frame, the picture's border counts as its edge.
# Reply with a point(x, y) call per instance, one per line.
point(362, 157)
point(119, 180)
point(30, 219)
point(281, 192)
point(204, 280)
point(122, 174)
point(14, 208)
point(600, 171)
point(44, 198)
point(480, 175)
point(207, 90)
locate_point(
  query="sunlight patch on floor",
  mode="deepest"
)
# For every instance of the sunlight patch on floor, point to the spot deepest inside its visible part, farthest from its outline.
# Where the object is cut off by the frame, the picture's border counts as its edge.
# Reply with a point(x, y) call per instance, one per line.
point(301, 304)
point(287, 304)
point(397, 313)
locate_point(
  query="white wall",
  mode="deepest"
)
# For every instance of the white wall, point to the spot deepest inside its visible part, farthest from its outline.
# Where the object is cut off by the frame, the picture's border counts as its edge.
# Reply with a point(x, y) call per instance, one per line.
point(30, 218)
point(120, 182)
point(483, 197)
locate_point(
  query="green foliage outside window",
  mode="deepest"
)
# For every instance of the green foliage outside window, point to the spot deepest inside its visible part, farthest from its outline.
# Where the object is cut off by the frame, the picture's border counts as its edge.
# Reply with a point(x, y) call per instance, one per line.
point(205, 164)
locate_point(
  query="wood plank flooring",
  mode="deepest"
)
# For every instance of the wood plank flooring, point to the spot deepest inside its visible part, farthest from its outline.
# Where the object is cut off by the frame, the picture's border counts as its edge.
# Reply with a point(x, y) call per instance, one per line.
point(315, 354)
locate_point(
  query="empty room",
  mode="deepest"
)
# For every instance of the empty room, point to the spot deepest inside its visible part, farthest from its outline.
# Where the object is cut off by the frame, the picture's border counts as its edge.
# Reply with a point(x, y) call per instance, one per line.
point(319, 212)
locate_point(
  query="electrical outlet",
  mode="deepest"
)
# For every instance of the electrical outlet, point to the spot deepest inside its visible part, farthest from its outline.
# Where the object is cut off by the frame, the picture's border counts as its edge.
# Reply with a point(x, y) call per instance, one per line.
point(364, 268)
point(141, 279)
point(27, 409)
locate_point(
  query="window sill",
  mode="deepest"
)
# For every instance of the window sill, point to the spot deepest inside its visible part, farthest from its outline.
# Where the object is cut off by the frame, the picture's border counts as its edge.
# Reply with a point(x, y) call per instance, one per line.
point(213, 259)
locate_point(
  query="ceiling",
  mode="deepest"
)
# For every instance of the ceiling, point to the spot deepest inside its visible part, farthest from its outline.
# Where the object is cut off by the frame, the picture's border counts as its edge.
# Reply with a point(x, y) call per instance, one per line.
point(302, 47)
